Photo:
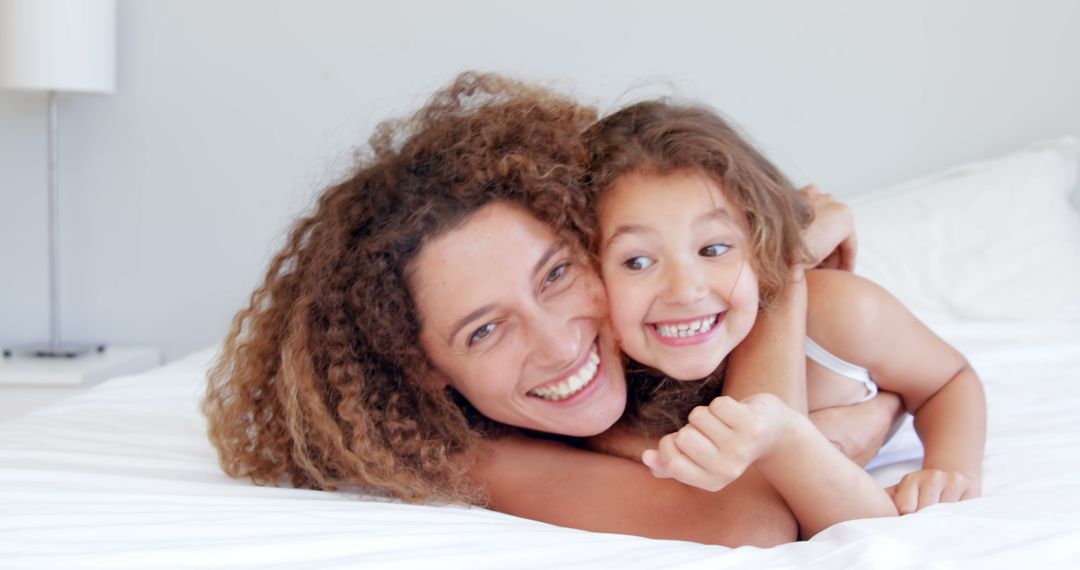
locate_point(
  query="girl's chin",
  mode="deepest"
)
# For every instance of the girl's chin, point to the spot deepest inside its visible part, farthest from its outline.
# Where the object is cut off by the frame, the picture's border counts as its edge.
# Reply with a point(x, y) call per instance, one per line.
point(679, 371)
point(692, 376)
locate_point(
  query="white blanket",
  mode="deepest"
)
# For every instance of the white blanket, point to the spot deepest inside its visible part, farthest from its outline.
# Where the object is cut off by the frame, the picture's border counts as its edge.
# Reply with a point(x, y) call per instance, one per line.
point(124, 477)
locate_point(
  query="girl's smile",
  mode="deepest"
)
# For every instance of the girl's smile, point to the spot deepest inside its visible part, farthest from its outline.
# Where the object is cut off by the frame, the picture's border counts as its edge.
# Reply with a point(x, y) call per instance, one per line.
point(694, 331)
point(575, 383)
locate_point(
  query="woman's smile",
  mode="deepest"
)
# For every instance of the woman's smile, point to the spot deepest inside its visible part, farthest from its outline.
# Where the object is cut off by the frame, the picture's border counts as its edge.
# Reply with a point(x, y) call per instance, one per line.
point(571, 385)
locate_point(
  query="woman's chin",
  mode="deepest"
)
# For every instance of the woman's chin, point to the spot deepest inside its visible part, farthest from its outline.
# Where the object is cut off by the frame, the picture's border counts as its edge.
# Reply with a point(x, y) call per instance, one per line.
point(595, 423)
point(602, 410)
point(599, 417)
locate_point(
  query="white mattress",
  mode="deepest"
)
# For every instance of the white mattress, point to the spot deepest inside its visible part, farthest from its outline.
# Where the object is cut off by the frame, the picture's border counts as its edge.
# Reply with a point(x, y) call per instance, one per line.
point(123, 477)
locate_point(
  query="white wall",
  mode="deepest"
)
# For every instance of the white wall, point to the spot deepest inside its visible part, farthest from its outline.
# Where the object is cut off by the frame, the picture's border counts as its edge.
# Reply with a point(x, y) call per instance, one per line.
point(231, 114)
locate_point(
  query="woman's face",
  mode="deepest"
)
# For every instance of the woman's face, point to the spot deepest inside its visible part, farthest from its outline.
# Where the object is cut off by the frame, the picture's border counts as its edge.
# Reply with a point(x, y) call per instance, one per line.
point(516, 322)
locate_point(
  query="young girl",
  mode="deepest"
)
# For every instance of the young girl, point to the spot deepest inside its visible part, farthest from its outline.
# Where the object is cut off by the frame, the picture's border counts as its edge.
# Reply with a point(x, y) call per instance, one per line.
point(697, 232)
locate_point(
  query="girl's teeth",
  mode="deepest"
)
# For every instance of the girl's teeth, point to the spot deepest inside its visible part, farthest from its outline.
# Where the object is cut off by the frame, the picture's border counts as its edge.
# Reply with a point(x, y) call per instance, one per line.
point(575, 383)
point(691, 328)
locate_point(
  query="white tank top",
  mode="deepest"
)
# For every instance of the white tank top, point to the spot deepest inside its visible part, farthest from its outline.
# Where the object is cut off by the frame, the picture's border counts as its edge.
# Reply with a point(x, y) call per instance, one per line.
point(815, 352)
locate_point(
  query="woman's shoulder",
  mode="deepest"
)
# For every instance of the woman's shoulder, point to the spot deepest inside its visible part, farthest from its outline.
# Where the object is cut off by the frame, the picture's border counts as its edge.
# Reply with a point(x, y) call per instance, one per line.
point(568, 486)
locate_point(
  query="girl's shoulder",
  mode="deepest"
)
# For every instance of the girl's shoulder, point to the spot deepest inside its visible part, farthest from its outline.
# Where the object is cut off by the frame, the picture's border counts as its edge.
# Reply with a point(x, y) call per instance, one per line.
point(846, 313)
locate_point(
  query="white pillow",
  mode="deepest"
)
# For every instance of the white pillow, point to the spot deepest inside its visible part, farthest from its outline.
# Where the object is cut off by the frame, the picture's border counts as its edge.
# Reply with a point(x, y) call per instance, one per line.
point(996, 239)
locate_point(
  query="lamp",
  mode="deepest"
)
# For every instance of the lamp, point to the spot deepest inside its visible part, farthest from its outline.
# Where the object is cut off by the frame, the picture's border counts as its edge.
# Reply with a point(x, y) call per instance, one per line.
point(57, 46)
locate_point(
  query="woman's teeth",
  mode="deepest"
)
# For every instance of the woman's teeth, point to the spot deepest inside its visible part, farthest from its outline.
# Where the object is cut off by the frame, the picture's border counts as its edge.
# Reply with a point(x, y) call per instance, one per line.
point(690, 328)
point(574, 383)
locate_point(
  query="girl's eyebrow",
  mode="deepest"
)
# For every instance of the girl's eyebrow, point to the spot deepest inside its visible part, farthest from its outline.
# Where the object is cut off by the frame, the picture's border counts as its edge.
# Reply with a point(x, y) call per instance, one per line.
point(720, 214)
point(629, 229)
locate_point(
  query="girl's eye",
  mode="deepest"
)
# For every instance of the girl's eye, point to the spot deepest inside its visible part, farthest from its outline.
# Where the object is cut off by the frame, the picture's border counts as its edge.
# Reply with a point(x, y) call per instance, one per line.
point(714, 250)
point(480, 334)
point(556, 273)
point(638, 263)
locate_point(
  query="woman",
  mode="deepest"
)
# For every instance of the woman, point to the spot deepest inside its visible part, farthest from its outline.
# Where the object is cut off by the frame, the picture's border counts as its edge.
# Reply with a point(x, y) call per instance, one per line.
point(359, 361)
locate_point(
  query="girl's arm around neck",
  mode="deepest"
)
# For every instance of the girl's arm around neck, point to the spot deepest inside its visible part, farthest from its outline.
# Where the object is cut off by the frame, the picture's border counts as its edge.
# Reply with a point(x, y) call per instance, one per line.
point(821, 486)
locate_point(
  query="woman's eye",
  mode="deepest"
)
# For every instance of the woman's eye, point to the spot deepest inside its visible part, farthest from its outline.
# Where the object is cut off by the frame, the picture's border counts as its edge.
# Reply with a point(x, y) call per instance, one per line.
point(481, 333)
point(638, 263)
point(556, 273)
point(714, 250)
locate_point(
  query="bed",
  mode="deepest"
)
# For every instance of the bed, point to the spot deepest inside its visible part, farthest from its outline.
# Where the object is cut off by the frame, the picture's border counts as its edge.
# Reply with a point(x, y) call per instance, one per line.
point(123, 476)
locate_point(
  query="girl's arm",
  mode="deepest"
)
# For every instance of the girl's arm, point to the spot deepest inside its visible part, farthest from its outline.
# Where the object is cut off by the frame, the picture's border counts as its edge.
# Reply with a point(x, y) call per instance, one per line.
point(862, 323)
point(566, 486)
point(772, 359)
point(821, 486)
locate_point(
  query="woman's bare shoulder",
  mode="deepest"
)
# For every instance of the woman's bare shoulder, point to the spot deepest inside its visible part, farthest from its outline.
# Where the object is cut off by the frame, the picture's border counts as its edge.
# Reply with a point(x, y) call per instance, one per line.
point(578, 488)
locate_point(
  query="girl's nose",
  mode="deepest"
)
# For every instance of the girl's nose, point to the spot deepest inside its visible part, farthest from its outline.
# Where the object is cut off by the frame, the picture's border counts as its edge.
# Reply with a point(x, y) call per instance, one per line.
point(686, 285)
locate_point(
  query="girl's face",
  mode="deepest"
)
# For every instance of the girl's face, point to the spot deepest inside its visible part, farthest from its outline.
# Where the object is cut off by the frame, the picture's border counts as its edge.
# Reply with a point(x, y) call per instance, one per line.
point(675, 261)
point(517, 323)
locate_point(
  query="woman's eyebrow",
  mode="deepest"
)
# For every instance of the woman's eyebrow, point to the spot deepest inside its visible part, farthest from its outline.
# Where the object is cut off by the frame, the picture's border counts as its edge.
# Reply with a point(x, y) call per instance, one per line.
point(468, 319)
point(551, 251)
point(474, 315)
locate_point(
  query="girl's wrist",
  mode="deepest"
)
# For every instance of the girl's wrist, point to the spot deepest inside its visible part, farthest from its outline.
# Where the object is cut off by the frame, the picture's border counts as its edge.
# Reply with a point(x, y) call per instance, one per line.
point(794, 432)
point(972, 472)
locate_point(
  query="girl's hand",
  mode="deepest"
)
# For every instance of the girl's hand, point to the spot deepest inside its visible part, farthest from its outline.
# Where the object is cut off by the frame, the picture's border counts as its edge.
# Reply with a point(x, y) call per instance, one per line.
point(831, 236)
point(720, 441)
point(921, 489)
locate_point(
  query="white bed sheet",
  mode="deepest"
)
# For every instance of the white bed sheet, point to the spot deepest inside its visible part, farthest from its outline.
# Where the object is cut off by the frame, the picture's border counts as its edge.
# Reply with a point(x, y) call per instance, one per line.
point(124, 477)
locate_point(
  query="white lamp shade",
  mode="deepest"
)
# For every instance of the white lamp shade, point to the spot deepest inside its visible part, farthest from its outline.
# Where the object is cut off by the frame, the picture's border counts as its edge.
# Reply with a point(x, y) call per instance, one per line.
point(58, 45)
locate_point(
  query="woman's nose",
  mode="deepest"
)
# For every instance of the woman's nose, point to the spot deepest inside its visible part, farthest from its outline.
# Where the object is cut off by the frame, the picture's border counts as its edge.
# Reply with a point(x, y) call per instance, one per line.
point(557, 342)
point(686, 284)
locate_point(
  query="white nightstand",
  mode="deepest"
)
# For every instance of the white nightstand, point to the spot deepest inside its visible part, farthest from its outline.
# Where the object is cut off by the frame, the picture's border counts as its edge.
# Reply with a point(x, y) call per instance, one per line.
point(30, 383)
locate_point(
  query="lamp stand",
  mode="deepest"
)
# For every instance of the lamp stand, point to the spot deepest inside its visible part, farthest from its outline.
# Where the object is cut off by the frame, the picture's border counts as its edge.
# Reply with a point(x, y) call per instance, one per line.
point(55, 348)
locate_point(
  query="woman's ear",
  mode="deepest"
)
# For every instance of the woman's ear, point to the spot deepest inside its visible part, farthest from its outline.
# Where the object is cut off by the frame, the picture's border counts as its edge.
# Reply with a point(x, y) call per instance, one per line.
point(436, 379)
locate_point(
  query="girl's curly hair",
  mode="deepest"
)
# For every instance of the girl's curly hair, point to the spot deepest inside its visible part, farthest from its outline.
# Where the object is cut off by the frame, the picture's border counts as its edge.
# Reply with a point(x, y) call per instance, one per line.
point(322, 381)
point(661, 137)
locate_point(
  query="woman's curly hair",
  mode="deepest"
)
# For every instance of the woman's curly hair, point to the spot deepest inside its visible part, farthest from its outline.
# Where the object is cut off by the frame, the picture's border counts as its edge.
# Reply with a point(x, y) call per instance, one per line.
point(322, 382)
point(661, 137)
